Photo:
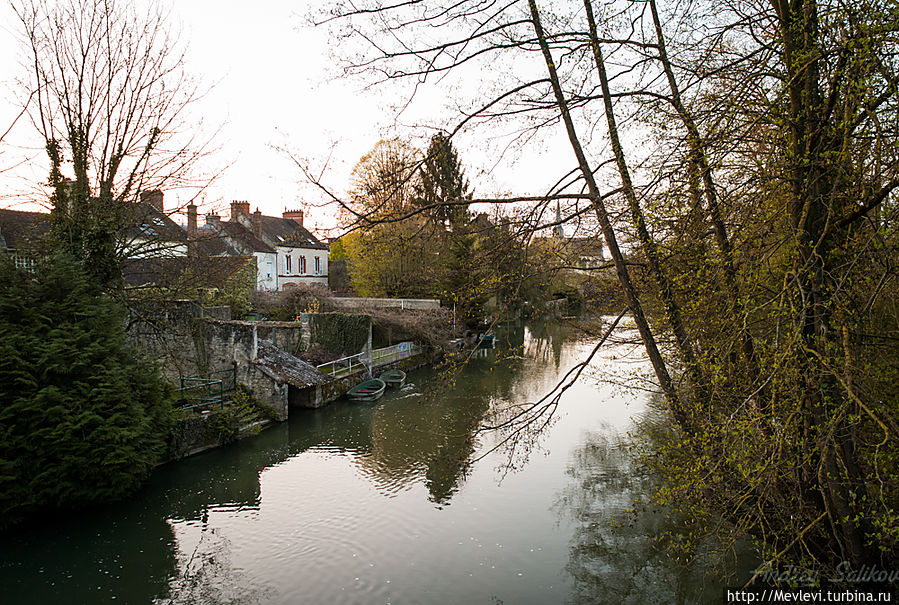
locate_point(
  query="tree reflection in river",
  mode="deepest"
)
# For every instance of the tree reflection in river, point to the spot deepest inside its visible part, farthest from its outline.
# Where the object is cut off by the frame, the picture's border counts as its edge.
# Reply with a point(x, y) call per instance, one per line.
point(616, 553)
point(206, 573)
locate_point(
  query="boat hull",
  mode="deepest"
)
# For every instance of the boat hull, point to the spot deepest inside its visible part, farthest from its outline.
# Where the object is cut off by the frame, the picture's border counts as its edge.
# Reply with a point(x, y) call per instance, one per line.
point(394, 378)
point(370, 390)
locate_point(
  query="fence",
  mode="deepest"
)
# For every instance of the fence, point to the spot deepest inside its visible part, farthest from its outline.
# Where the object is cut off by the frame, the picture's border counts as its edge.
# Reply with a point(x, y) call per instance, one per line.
point(204, 391)
point(397, 352)
point(404, 304)
point(379, 357)
point(344, 365)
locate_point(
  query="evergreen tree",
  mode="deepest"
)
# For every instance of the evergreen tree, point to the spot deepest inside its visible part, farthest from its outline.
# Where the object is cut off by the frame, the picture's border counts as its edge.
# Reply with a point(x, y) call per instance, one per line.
point(443, 186)
point(82, 419)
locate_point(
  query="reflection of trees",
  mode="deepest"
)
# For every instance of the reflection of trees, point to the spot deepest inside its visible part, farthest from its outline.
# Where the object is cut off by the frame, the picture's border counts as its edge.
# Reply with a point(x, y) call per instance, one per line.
point(433, 437)
point(615, 555)
point(545, 342)
point(206, 575)
point(123, 550)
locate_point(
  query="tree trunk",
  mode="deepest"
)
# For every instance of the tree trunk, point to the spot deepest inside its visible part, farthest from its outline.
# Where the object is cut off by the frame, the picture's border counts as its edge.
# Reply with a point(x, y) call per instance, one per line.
point(672, 308)
point(633, 301)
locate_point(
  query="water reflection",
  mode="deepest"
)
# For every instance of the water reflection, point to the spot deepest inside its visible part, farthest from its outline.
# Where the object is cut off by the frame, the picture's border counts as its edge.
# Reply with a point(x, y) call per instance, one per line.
point(616, 552)
point(125, 553)
point(206, 572)
point(314, 509)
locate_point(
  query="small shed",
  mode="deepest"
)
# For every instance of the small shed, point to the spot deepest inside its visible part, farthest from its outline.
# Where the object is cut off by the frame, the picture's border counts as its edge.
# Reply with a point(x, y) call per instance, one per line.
point(304, 381)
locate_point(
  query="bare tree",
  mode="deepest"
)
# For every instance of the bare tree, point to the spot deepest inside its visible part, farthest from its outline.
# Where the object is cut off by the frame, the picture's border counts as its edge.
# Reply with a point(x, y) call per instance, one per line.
point(110, 94)
point(764, 209)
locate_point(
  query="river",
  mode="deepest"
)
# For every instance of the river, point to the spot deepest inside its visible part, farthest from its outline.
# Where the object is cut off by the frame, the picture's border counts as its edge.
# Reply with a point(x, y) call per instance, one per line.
point(398, 501)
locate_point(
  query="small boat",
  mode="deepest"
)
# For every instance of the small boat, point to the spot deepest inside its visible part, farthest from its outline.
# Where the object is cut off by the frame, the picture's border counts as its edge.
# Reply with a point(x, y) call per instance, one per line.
point(394, 378)
point(370, 390)
point(487, 341)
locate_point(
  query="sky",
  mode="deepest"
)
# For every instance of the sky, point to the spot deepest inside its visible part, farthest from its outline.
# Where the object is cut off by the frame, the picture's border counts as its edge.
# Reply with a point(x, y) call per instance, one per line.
point(272, 82)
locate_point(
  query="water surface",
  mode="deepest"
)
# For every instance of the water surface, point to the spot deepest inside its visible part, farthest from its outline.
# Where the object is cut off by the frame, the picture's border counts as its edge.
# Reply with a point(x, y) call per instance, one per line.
point(399, 501)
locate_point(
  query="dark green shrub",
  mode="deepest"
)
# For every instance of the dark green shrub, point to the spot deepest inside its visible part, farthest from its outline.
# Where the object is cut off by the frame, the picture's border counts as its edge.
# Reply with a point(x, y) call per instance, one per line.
point(82, 417)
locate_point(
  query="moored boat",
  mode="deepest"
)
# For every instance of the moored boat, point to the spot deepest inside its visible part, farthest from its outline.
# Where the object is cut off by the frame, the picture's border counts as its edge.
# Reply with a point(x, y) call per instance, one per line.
point(394, 378)
point(486, 341)
point(370, 390)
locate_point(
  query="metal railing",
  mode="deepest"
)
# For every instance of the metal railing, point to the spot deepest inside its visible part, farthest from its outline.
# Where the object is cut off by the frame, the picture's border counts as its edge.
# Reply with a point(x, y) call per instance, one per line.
point(403, 350)
point(379, 357)
point(198, 392)
point(344, 365)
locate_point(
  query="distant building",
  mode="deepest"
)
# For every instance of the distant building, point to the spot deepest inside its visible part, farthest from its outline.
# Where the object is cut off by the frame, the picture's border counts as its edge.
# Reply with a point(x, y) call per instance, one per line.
point(20, 235)
point(287, 254)
point(158, 251)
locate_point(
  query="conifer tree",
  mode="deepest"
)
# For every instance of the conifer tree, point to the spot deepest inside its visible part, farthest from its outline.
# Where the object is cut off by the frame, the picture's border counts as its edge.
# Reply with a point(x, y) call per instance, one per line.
point(81, 418)
point(443, 188)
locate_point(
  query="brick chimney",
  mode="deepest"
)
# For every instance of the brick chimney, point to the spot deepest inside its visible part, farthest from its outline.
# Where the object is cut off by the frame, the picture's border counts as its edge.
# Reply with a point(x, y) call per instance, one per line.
point(191, 230)
point(257, 223)
point(214, 221)
point(238, 208)
point(296, 215)
point(153, 198)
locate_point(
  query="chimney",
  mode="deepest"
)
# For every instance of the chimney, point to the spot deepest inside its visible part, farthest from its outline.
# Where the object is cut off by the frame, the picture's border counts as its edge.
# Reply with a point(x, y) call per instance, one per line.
point(296, 215)
point(238, 208)
point(214, 221)
point(191, 230)
point(153, 198)
point(257, 223)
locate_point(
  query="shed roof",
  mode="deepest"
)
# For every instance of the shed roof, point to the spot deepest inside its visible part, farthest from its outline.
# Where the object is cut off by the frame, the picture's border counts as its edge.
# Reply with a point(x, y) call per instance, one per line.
point(286, 368)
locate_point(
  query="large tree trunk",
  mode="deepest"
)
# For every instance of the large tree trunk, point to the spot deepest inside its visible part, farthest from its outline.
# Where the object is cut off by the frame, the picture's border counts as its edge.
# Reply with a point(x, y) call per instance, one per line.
point(650, 249)
point(699, 164)
point(812, 184)
point(680, 415)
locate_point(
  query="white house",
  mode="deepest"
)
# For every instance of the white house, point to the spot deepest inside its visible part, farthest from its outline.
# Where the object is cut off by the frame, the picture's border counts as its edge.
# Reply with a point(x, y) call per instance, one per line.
point(292, 255)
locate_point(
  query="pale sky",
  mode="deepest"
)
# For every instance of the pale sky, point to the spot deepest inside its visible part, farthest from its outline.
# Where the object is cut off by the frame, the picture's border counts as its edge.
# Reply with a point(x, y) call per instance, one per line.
point(273, 83)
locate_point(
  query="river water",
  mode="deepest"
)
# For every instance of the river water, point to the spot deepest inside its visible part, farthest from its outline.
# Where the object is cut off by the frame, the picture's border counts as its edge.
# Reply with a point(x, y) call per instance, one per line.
point(398, 501)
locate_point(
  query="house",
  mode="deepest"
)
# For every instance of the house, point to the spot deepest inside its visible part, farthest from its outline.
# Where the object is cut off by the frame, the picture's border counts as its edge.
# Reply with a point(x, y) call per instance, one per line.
point(151, 232)
point(156, 248)
point(20, 235)
point(586, 253)
point(246, 243)
point(287, 254)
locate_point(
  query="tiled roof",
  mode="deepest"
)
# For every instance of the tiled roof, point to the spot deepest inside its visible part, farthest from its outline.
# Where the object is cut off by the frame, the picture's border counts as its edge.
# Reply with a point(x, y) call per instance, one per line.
point(245, 237)
point(183, 271)
point(149, 223)
point(212, 243)
point(286, 368)
point(287, 232)
point(20, 230)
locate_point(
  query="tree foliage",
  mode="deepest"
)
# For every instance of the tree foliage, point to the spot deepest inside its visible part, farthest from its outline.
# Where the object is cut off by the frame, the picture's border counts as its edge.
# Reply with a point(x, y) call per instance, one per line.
point(761, 208)
point(384, 181)
point(82, 416)
point(442, 188)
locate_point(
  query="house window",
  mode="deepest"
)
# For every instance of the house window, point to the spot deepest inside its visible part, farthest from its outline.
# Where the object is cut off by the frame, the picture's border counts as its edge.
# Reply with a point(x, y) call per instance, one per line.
point(303, 265)
point(24, 261)
point(287, 264)
point(318, 266)
point(268, 275)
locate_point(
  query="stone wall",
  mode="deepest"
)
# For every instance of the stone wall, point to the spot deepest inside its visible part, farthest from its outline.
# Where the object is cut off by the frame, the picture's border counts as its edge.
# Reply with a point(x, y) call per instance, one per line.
point(196, 434)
